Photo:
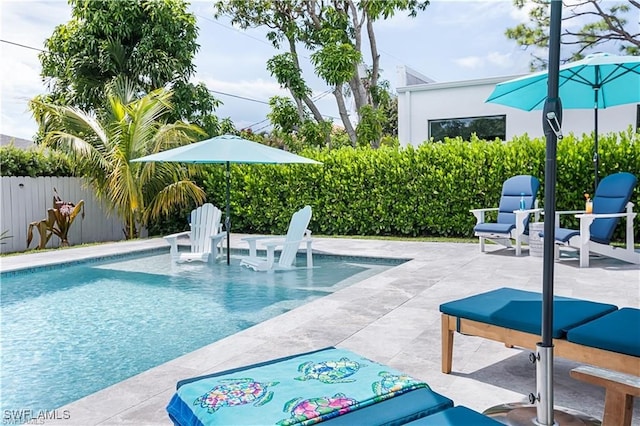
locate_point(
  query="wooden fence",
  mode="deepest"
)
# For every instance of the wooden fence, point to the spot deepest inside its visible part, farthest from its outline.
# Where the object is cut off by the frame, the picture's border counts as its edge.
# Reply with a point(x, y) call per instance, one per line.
point(25, 200)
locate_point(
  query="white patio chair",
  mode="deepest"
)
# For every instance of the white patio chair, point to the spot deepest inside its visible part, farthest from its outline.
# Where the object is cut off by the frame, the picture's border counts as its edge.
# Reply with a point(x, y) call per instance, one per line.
point(296, 235)
point(205, 236)
point(610, 203)
point(513, 218)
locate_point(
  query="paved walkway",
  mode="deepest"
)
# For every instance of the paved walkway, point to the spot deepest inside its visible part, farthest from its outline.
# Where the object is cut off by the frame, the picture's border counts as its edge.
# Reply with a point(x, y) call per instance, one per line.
point(391, 318)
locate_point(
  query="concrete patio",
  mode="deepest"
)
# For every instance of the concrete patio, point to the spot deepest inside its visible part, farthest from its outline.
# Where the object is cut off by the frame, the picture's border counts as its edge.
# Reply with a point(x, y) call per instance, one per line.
point(391, 318)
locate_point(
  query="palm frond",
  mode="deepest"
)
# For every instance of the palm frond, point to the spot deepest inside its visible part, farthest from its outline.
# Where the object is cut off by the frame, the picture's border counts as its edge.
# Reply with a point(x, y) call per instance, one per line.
point(182, 193)
point(130, 127)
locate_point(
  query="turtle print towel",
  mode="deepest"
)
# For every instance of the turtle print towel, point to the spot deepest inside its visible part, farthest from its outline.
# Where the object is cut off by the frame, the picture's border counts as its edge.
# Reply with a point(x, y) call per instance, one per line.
point(300, 390)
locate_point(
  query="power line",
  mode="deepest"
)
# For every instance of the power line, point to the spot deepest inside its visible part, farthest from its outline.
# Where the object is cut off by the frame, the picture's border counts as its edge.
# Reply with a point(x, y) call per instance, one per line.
point(320, 96)
point(231, 28)
point(23, 45)
point(238, 96)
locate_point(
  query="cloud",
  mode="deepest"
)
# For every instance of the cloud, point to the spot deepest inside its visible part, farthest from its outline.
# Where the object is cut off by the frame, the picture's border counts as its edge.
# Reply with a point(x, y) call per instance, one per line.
point(27, 24)
point(491, 59)
point(522, 15)
point(471, 62)
point(499, 59)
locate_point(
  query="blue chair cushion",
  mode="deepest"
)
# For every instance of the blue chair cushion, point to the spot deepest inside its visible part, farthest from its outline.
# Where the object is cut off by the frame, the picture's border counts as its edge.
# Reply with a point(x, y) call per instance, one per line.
point(494, 228)
point(456, 416)
point(612, 195)
point(521, 310)
point(618, 331)
point(563, 234)
point(512, 190)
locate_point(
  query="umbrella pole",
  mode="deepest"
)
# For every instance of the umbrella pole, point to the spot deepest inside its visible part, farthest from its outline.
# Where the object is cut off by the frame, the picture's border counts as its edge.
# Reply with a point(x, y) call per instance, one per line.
point(595, 139)
point(553, 104)
point(227, 221)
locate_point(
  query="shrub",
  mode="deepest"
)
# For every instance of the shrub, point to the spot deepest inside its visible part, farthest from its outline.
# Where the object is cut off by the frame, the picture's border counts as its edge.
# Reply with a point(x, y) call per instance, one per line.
point(33, 163)
point(412, 191)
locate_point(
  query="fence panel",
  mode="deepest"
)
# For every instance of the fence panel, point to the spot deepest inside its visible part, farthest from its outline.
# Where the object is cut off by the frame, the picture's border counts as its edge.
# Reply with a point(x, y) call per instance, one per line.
point(25, 200)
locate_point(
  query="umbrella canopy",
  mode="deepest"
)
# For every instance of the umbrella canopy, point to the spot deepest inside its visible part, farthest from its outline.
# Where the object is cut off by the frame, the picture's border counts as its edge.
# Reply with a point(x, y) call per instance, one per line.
point(598, 81)
point(227, 149)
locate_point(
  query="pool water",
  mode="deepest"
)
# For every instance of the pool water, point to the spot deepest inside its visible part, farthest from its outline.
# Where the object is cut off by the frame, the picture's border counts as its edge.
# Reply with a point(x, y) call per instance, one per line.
point(70, 331)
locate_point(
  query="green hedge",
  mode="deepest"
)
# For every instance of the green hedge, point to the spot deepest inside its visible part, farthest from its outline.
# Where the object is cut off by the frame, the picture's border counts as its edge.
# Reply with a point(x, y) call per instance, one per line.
point(414, 191)
point(33, 163)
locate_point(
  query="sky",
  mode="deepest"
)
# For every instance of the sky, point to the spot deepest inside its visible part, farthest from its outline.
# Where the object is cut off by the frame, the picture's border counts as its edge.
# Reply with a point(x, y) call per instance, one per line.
point(451, 40)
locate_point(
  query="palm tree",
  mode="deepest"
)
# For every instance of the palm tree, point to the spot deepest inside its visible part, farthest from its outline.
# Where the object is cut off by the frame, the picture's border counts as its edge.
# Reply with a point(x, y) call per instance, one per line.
point(102, 148)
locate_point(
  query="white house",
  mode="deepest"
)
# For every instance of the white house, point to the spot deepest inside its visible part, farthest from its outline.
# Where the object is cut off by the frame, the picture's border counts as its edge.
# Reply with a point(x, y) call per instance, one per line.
point(427, 109)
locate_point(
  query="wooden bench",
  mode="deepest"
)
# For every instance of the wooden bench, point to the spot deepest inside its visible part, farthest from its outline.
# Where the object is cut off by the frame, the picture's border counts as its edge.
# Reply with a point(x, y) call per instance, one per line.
point(584, 331)
point(623, 363)
point(619, 388)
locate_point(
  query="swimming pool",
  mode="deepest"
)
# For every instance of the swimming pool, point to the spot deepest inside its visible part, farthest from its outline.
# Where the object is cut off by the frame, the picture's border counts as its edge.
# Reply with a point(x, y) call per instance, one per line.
point(69, 331)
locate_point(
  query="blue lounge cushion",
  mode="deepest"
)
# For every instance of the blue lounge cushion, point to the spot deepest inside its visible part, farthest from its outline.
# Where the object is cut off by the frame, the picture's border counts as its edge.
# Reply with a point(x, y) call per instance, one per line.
point(521, 310)
point(456, 416)
point(345, 387)
point(618, 331)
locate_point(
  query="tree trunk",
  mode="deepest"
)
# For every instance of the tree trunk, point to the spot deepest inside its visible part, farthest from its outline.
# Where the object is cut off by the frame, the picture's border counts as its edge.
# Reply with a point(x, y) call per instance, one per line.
point(344, 115)
point(375, 60)
point(357, 83)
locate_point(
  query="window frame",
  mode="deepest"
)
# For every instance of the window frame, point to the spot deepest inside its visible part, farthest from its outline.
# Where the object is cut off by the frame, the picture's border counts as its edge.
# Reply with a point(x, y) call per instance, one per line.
point(503, 117)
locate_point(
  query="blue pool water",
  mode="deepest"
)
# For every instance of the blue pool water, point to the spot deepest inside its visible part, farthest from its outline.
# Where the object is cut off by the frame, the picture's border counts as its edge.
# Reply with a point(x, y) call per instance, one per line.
point(67, 332)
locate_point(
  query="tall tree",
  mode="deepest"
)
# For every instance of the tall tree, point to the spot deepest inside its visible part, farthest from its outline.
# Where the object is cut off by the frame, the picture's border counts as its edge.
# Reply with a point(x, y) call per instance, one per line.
point(332, 30)
point(587, 26)
point(129, 128)
point(150, 42)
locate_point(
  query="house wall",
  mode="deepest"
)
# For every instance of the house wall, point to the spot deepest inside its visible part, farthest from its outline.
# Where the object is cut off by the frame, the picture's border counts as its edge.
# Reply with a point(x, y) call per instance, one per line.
point(420, 103)
point(25, 200)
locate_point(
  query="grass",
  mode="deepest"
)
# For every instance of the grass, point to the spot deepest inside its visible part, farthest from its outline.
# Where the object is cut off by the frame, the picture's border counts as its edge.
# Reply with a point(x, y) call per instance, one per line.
point(392, 238)
point(34, 250)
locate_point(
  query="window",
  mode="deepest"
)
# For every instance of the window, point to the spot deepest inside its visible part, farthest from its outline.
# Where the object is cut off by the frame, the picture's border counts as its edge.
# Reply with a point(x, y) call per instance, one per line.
point(488, 127)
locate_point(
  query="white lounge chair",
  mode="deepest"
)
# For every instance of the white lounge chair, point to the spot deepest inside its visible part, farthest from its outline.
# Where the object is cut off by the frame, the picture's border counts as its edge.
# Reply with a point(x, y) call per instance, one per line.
point(513, 218)
point(205, 235)
point(296, 235)
point(610, 203)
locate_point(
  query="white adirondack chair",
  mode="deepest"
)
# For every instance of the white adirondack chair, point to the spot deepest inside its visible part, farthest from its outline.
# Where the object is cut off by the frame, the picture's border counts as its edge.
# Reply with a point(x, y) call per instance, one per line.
point(296, 235)
point(206, 235)
point(610, 203)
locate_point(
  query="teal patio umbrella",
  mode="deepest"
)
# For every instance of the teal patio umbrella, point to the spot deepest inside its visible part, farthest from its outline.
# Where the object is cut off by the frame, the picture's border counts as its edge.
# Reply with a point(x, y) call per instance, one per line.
point(227, 149)
point(598, 81)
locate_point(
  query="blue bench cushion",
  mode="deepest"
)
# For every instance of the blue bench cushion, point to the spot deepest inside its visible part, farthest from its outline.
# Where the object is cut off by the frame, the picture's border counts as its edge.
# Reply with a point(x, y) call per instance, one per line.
point(323, 385)
point(397, 410)
point(618, 331)
point(521, 310)
point(494, 228)
point(456, 416)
